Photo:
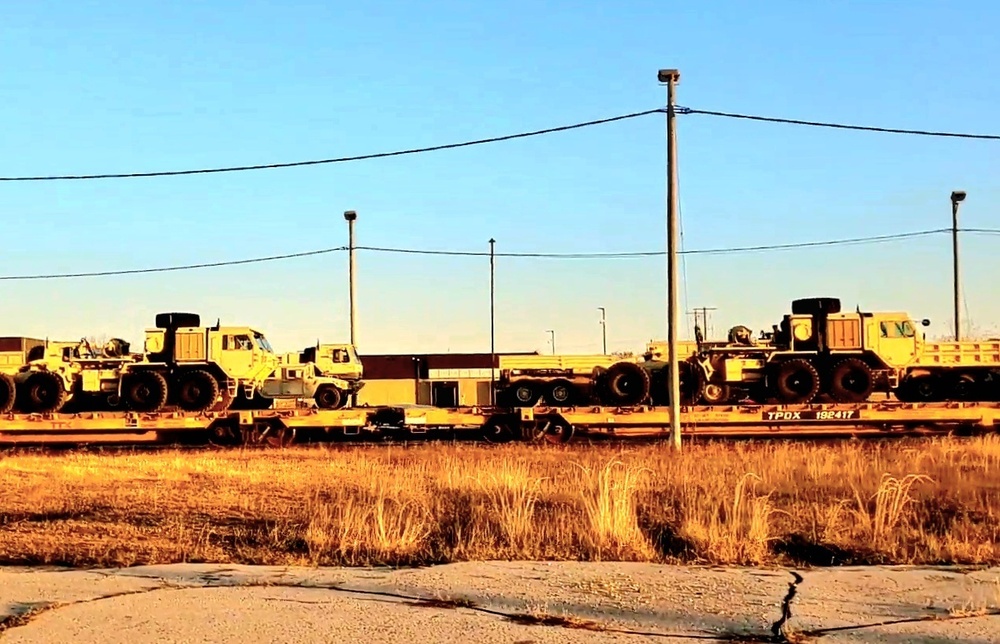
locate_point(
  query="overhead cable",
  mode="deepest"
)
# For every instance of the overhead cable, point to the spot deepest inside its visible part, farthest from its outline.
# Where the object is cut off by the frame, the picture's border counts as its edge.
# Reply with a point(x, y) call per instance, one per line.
point(361, 157)
point(456, 253)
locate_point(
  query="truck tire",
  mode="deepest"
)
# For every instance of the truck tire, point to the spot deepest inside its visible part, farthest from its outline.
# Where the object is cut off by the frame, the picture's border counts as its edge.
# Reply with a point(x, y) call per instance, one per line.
point(625, 384)
point(796, 381)
point(816, 306)
point(923, 388)
point(196, 390)
point(716, 394)
point(328, 397)
point(851, 381)
point(8, 393)
point(145, 391)
point(691, 381)
point(44, 393)
point(561, 393)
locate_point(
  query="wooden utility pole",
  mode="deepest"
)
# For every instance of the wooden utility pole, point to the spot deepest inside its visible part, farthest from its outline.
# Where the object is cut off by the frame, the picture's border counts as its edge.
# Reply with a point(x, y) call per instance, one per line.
point(671, 77)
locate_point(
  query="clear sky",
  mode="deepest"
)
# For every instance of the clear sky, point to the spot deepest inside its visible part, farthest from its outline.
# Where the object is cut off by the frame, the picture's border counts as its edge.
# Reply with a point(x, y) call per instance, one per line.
point(91, 87)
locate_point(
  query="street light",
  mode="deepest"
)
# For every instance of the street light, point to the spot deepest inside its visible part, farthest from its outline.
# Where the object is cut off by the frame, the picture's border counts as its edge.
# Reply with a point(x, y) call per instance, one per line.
point(957, 197)
point(604, 329)
point(351, 216)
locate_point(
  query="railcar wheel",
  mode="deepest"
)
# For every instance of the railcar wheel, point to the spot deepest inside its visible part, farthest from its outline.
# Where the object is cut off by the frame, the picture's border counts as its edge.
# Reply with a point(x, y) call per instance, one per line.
point(197, 390)
point(625, 384)
point(561, 393)
point(44, 393)
point(551, 430)
point(328, 397)
point(145, 391)
point(497, 430)
point(8, 393)
point(851, 381)
point(796, 381)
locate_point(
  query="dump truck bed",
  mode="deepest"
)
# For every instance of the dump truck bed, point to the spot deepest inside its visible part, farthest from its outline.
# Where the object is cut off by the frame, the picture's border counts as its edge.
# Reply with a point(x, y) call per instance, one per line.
point(965, 354)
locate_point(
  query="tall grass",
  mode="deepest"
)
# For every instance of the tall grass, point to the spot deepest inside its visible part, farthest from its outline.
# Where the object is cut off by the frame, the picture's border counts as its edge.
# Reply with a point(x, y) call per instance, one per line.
point(934, 500)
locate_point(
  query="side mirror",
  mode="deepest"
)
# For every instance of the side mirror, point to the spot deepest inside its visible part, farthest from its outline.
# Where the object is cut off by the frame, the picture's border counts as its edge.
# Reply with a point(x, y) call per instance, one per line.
point(925, 322)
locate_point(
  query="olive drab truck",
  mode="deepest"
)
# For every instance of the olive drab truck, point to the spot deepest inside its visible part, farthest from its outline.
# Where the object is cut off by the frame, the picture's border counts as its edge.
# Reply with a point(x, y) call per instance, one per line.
point(15, 352)
point(818, 350)
point(329, 374)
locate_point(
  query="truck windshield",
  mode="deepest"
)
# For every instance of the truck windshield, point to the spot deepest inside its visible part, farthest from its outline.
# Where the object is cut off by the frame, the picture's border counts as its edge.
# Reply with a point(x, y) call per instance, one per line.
point(262, 343)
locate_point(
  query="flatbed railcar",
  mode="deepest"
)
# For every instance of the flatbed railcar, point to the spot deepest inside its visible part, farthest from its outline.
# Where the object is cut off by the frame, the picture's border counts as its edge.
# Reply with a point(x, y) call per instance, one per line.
point(279, 427)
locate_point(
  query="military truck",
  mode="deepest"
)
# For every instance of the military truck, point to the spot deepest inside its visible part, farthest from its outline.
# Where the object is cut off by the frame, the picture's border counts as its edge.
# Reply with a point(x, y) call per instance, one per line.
point(567, 380)
point(14, 353)
point(817, 350)
point(183, 364)
point(330, 374)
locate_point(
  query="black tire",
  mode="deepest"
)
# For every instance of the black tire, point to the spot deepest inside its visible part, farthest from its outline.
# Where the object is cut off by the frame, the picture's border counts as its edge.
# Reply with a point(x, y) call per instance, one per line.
point(795, 382)
point(43, 393)
point(524, 393)
point(561, 393)
point(922, 388)
point(716, 394)
point(816, 306)
point(8, 393)
point(145, 391)
point(851, 381)
point(625, 384)
point(196, 390)
point(964, 387)
point(328, 397)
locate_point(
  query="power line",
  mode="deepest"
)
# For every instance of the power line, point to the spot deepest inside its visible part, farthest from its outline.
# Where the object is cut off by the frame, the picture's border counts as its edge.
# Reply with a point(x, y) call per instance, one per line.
point(841, 126)
point(457, 253)
point(362, 157)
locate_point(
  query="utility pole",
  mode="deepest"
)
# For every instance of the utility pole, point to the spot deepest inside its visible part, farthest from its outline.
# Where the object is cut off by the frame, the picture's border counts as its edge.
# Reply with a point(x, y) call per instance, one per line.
point(493, 346)
point(671, 77)
point(604, 329)
point(957, 197)
point(351, 216)
point(552, 339)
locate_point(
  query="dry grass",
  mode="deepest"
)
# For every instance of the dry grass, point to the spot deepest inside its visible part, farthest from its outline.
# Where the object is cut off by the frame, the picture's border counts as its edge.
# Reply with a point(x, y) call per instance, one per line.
point(930, 501)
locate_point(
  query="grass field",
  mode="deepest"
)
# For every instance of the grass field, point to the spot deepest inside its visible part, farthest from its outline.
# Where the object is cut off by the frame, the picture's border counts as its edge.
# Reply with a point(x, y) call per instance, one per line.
point(919, 501)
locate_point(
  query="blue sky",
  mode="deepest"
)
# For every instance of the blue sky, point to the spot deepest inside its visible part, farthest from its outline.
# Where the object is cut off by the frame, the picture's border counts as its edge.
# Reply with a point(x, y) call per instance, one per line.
point(94, 87)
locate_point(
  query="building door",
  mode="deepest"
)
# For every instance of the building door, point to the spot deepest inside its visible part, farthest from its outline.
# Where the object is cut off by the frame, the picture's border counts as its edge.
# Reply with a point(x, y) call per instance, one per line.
point(444, 394)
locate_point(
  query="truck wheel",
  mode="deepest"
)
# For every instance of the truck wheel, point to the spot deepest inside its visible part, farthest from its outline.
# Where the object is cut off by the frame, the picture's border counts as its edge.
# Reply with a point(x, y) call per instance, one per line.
point(328, 397)
point(626, 384)
point(796, 382)
point(44, 393)
point(851, 381)
point(196, 390)
point(716, 394)
point(923, 388)
point(964, 387)
point(145, 391)
point(561, 393)
point(8, 392)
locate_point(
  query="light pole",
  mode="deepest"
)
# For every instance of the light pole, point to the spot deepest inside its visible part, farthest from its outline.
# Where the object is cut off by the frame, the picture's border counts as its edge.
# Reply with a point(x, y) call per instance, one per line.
point(604, 329)
point(957, 197)
point(351, 216)
point(671, 77)
point(552, 339)
point(493, 347)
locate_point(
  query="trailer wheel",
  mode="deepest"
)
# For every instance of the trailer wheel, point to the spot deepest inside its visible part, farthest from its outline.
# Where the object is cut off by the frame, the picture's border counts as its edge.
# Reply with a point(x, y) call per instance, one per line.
point(625, 384)
point(561, 393)
point(44, 393)
point(525, 393)
point(8, 392)
point(196, 390)
point(328, 397)
point(851, 381)
point(796, 381)
point(145, 391)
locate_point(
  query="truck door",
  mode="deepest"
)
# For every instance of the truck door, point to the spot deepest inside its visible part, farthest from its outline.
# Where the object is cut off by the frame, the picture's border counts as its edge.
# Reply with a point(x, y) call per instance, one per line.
point(897, 341)
point(238, 354)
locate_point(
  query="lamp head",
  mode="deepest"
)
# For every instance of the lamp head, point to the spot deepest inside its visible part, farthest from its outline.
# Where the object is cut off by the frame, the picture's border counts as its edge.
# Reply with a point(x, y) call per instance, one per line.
point(350, 215)
point(958, 196)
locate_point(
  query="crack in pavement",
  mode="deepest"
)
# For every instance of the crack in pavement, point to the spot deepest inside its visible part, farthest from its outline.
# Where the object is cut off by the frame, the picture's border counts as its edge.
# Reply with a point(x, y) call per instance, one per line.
point(820, 632)
point(778, 628)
